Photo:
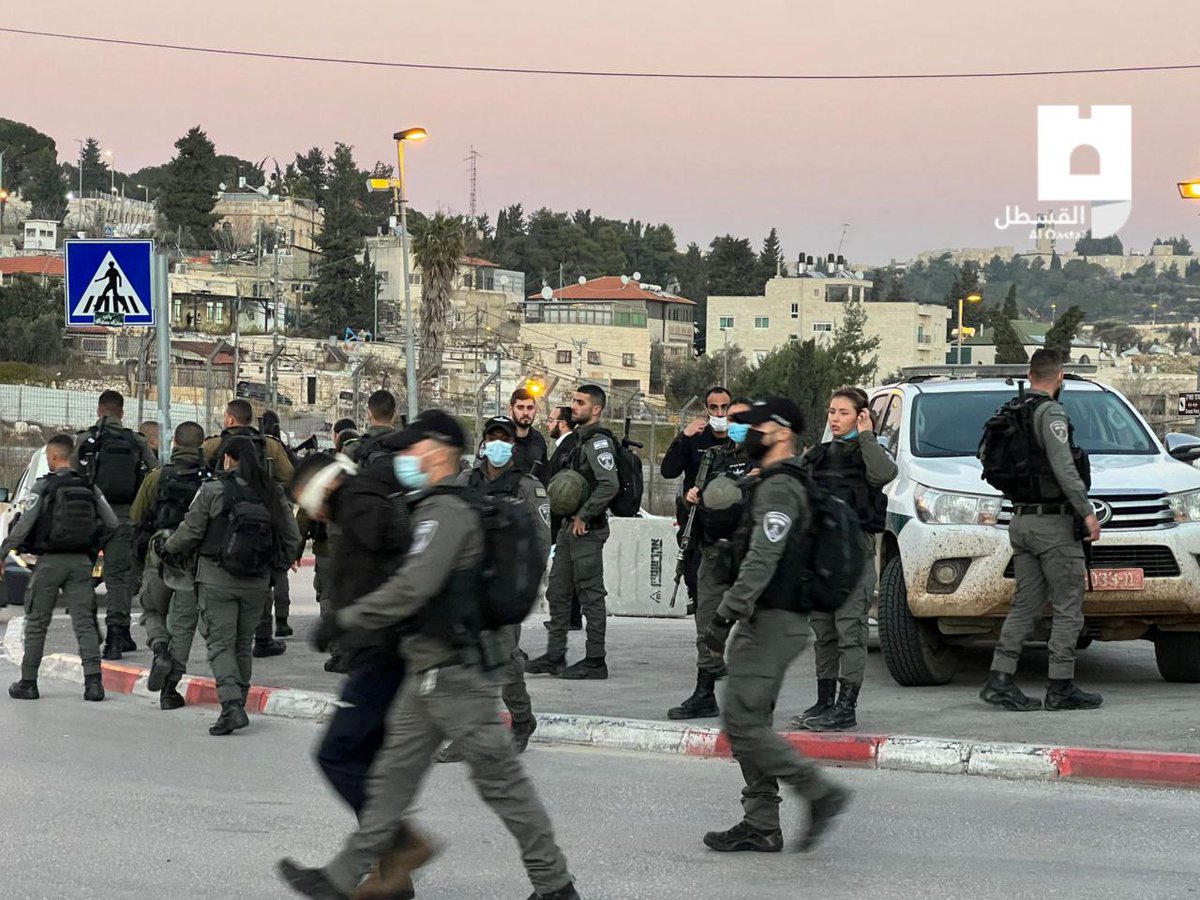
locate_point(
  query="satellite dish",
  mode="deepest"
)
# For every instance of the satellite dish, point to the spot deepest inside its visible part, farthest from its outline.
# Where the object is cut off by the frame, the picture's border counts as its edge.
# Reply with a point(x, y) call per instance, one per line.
point(502, 281)
point(547, 292)
point(221, 187)
point(624, 280)
point(637, 276)
point(583, 279)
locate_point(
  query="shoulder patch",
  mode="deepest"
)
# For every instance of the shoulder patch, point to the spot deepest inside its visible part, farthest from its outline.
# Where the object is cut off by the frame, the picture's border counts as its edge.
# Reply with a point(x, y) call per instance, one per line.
point(600, 443)
point(1058, 428)
point(606, 460)
point(422, 537)
point(776, 526)
point(544, 512)
point(539, 491)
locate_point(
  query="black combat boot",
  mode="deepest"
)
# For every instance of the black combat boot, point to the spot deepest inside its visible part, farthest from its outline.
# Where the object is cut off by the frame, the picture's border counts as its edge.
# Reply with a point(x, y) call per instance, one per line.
point(25, 689)
point(742, 837)
point(125, 639)
point(93, 687)
point(1002, 692)
point(233, 716)
point(842, 716)
point(112, 644)
point(703, 702)
point(170, 698)
point(282, 628)
point(826, 694)
point(160, 667)
point(546, 665)
point(1062, 694)
point(566, 892)
point(821, 813)
point(268, 648)
point(451, 753)
point(590, 668)
point(309, 882)
point(522, 732)
point(337, 664)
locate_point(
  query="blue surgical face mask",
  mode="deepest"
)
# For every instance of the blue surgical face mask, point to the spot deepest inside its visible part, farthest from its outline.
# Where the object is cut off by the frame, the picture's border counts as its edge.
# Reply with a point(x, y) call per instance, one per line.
point(738, 432)
point(498, 453)
point(409, 473)
point(850, 435)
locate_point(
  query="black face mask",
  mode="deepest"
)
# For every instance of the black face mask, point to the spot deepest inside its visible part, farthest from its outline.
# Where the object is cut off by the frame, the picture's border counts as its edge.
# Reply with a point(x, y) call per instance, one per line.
point(754, 446)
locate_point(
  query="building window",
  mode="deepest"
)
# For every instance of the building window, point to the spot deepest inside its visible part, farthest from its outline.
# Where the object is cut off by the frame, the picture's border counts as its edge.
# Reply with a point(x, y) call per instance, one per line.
point(414, 277)
point(726, 322)
point(627, 360)
point(762, 321)
point(214, 311)
point(920, 334)
point(823, 326)
point(593, 357)
point(562, 356)
point(795, 310)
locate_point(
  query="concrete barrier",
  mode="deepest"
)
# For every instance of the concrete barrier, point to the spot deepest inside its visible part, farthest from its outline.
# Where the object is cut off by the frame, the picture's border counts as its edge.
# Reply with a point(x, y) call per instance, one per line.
point(639, 568)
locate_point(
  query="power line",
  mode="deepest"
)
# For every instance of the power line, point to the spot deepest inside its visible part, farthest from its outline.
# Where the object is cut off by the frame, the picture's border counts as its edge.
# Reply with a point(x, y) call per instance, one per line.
point(588, 73)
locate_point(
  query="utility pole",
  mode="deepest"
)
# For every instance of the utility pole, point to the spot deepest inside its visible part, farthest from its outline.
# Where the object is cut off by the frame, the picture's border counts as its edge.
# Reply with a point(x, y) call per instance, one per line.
point(472, 158)
point(579, 345)
point(275, 295)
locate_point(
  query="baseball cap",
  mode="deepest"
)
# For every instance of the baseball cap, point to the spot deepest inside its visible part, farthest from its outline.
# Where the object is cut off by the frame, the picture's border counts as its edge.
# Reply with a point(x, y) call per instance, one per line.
point(435, 425)
point(780, 410)
point(504, 423)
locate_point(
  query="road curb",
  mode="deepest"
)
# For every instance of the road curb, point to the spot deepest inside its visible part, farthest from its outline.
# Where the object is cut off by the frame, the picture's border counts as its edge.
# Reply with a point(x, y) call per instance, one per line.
point(892, 752)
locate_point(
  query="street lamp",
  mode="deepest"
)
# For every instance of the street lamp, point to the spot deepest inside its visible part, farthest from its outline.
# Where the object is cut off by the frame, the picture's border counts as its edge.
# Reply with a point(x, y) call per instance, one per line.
point(1189, 190)
point(725, 378)
point(401, 203)
point(970, 298)
point(147, 190)
point(112, 169)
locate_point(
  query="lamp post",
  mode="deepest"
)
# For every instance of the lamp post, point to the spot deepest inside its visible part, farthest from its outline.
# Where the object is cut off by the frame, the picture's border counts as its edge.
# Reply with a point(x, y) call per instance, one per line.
point(1190, 190)
point(970, 298)
point(725, 354)
point(147, 190)
point(112, 170)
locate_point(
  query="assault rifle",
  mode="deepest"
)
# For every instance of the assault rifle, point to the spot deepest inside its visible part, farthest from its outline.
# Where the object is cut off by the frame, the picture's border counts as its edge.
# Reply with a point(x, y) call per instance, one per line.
point(686, 540)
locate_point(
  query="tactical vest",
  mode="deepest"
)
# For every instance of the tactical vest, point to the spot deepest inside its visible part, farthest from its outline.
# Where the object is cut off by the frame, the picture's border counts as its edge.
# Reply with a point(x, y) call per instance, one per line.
point(507, 485)
point(722, 524)
point(844, 474)
point(786, 588)
point(453, 615)
point(72, 528)
point(1031, 477)
point(214, 534)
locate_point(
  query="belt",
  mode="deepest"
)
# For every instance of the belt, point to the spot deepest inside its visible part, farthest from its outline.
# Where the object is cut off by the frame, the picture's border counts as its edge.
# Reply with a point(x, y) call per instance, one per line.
point(1043, 509)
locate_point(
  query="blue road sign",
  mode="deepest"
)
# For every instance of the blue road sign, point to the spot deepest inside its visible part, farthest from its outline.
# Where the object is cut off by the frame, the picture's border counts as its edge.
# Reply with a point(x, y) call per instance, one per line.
point(108, 282)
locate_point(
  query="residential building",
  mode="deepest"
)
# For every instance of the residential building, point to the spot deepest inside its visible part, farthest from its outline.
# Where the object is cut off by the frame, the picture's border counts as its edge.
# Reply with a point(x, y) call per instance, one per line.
point(250, 218)
point(608, 330)
point(205, 291)
point(40, 236)
point(980, 349)
point(811, 306)
point(43, 268)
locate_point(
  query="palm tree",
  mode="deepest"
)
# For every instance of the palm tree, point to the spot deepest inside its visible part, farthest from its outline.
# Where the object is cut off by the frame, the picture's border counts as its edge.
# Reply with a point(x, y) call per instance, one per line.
point(438, 248)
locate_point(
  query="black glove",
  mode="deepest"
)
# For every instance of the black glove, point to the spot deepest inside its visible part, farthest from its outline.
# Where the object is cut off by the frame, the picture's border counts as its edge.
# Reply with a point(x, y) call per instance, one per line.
point(717, 634)
point(328, 631)
point(159, 543)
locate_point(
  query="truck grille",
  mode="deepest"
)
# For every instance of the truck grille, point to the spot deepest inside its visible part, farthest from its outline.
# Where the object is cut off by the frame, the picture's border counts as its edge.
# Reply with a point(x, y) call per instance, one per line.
point(1141, 512)
point(1155, 561)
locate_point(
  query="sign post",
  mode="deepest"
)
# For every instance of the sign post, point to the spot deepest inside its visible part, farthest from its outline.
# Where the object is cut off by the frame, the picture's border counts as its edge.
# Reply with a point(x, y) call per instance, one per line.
point(162, 304)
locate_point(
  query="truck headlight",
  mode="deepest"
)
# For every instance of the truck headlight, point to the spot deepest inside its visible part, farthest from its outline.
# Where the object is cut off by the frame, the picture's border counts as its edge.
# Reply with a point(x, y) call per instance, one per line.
point(948, 508)
point(1186, 507)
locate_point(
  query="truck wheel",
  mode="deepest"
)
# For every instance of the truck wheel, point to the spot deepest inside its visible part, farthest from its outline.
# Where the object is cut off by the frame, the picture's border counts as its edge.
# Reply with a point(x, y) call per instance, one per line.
point(915, 653)
point(1178, 655)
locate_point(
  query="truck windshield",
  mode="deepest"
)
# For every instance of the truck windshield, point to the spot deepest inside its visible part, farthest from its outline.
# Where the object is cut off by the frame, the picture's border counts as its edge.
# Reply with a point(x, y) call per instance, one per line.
point(951, 424)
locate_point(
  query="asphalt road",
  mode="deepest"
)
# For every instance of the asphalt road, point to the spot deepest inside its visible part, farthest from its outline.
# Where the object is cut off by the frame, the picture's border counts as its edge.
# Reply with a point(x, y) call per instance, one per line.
point(119, 800)
point(651, 662)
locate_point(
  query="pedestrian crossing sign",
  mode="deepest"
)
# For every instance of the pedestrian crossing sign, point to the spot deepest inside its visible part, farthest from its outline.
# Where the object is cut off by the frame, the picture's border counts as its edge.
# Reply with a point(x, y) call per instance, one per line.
point(108, 282)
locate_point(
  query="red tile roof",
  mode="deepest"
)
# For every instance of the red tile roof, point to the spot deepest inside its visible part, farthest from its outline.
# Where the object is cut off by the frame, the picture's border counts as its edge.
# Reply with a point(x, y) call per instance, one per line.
point(479, 263)
point(609, 287)
point(32, 265)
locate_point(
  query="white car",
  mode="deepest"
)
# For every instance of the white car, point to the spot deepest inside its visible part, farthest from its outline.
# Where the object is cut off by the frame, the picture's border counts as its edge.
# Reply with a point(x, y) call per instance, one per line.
point(945, 559)
point(17, 572)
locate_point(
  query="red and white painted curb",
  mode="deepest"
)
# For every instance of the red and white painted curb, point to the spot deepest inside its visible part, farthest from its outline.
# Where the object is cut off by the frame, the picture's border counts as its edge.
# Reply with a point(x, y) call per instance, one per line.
point(895, 752)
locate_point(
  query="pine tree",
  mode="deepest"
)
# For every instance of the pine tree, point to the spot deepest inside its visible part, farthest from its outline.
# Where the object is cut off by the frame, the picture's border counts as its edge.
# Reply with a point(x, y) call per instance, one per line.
point(1011, 312)
point(337, 298)
point(1055, 261)
point(770, 260)
point(966, 283)
point(1063, 331)
point(95, 169)
point(692, 285)
point(732, 267)
point(313, 169)
point(190, 193)
point(1009, 348)
point(853, 352)
point(46, 186)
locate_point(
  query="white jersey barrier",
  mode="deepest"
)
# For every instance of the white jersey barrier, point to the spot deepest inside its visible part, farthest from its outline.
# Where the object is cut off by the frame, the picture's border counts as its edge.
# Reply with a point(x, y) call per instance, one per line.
point(639, 568)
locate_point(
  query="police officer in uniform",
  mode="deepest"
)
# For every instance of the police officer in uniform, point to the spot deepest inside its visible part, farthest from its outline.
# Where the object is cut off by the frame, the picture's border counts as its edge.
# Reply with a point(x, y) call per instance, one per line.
point(495, 476)
point(683, 458)
point(561, 429)
point(445, 695)
point(66, 546)
point(381, 421)
point(238, 416)
point(765, 603)
point(92, 447)
point(584, 490)
point(231, 604)
point(854, 468)
point(721, 502)
point(1048, 559)
point(162, 501)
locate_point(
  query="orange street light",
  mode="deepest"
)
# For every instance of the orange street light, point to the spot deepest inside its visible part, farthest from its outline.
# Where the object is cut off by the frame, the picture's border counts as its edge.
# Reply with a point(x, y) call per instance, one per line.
point(1189, 190)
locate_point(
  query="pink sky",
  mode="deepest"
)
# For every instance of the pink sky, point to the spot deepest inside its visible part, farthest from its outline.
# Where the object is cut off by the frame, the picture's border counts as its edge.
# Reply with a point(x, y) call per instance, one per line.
point(911, 165)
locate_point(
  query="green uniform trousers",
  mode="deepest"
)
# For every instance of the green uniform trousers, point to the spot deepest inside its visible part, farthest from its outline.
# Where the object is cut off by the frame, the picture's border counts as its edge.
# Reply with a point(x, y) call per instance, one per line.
point(512, 676)
point(1047, 560)
point(70, 573)
point(170, 616)
point(577, 573)
point(457, 703)
point(321, 569)
point(712, 581)
point(840, 644)
point(228, 617)
point(760, 651)
point(119, 576)
point(278, 597)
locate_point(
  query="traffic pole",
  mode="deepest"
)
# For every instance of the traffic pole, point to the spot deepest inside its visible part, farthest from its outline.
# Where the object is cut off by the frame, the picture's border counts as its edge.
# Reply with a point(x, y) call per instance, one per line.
point(162, 304)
